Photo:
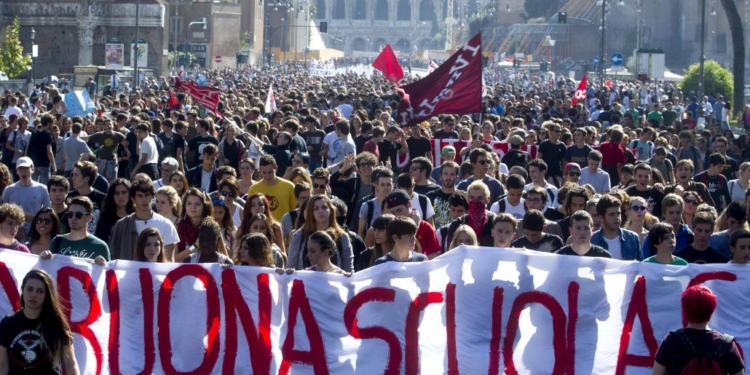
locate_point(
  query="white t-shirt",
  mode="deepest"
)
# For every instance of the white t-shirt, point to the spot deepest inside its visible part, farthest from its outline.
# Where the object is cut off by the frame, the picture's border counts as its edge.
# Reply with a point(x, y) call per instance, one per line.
point(614, 246)
point(415, 205)
point(163, 225)
point(515, 211)
point(148, 146)
point(206, 179)
point(13, 111)
point(551, 200)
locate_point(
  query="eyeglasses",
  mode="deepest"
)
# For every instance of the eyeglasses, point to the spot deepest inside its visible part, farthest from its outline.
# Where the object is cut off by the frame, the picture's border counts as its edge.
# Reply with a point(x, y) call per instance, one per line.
point(365, 165)
point(317, 186)
point(534, 200)
point(692, 201)
point(482, 162)
point(78, 214)
point(574, 173)
point(638, 208)
point(43, 221)
point(227, 194)
point(296, 161)
point(416, 168)
point(450, 124)
point(219, 202)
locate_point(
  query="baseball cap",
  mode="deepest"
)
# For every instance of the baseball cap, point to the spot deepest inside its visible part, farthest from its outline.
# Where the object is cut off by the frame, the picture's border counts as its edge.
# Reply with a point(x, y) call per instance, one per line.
point(448, 150)
point(24, 162)
point(516, 140)
point(397, 198)
point(572, 167)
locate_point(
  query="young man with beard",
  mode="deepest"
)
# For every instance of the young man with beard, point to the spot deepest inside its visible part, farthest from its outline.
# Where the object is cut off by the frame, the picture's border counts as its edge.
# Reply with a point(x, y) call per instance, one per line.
point(480, 159)
point(683, 178)
point(534, 238)
point(109, 140)
point(580, 233)
point(537, 170)
point(421, 168)
point(399, 204)
point(700, 250)
point(27, 193)
point(478, 217)
point(621, 243)
point(653, 197)
point(448, 154)
point(440, 197)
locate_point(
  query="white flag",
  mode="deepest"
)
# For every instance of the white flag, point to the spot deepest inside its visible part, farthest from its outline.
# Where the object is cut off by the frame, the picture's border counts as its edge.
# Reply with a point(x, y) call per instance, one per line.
point(270, 100)
point(432, 66)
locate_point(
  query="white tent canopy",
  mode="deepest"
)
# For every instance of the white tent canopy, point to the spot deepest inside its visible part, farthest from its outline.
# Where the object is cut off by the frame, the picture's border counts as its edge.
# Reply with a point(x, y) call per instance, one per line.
point(672, 77)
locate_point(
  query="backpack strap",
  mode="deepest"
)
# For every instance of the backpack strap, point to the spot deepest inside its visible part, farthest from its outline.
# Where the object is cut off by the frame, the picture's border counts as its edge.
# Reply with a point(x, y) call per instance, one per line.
point(680, 334)
point(423, 205)
point(56, 248)
point(370, 212)
point(724, 346)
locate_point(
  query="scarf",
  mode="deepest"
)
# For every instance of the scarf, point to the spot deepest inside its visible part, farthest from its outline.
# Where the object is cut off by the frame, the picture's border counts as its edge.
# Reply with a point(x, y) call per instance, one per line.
point(477, 217)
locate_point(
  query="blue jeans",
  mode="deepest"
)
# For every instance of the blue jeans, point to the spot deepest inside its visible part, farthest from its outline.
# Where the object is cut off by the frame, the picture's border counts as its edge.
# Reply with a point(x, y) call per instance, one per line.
point(107, 168)
point(41, 175)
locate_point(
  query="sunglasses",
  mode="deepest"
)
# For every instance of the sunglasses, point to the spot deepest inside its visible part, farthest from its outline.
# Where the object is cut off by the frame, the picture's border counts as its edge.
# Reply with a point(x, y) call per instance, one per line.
point(43, 221)
point(227, 194)
point(638, 208)
point(365, 165)
point(482, 162)
point(78, 214)
point(317, 186)
point(691, 201)
point(416, 168)
point(574, 173)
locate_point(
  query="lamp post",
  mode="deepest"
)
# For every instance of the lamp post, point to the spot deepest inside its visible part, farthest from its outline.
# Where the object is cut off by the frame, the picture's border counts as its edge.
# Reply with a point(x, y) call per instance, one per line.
point(34, 54)
point(201, 21)
point(137, 49)
point(603, 39)
point(701, 80)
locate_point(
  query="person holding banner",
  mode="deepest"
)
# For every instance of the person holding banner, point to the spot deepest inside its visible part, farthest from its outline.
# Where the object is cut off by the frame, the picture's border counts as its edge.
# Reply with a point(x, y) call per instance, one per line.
point(402, 236)
point(580, 234)
point(150, 247)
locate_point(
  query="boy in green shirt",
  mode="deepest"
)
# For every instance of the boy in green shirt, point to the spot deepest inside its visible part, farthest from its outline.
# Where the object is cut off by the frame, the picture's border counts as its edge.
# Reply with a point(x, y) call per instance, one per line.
point(79, 242)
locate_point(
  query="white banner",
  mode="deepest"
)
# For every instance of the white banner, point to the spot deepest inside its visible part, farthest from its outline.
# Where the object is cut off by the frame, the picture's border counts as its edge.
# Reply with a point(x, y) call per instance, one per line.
point(471, 311)
point(322, 69)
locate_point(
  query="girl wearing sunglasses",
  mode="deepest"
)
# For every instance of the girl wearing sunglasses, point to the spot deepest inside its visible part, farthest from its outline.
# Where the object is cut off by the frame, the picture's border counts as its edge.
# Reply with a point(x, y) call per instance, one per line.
point(45, 226)
point(692, 200)
point(637, 217)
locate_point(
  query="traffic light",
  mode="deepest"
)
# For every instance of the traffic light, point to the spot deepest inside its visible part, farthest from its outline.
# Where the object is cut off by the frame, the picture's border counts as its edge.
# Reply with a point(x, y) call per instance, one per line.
point(242, 58)
point(324, 27)
point(562, 17)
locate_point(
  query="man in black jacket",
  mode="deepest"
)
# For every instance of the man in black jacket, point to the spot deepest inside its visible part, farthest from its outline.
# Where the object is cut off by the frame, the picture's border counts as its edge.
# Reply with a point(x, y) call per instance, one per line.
point(203, 176)
point(352, 189)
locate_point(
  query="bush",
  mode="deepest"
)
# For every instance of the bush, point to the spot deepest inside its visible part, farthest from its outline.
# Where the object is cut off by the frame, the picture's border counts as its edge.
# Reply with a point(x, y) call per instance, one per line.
point(717, 79)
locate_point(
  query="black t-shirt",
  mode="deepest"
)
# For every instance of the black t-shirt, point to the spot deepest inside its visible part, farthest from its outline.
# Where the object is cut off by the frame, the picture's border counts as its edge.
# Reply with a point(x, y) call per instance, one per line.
point(314, 139)
point(442, 134)
point(548, 244)
point(673, 355)
point(96, 196)
point(178, 142)
point(424, 189)
point(553, 214)
point(38, 147)
point(578, 155)
point(168, 149)
point(691, 255)
point(359, 142)
point(132, 145)
point(415, 257)
point(594, 251)
point(196, 146)
point(388, 150)
point(652, 196)
point(553, 155)
point(21, 337)
point(418, 147)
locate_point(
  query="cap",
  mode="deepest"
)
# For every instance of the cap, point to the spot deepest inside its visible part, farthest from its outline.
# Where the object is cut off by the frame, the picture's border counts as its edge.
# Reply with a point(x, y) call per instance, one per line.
point(572, 167)
point(448, 150)
point(397, 198)
point(516, 140)
point(24, 161)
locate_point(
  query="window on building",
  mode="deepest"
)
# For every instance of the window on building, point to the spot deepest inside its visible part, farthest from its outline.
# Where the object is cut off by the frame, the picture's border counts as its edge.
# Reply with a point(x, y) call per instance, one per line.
point(175, 25)
point(339, 10)
point(403, 13)
point(381, 10)
point(360, 10)
point(427, 10)
point(320, 9)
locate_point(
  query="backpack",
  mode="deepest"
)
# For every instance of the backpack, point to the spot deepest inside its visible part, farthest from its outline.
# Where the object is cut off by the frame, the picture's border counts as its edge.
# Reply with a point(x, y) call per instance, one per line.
point(700, 363)
point(293, 215)
point(159, 147)
point(370, 213)
point(167, 147)
point(423, 205)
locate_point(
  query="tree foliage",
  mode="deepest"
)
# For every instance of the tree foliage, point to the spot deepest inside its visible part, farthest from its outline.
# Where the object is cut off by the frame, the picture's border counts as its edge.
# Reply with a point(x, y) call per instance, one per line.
point(539, 8)
point(717, 79)
point(12, 59)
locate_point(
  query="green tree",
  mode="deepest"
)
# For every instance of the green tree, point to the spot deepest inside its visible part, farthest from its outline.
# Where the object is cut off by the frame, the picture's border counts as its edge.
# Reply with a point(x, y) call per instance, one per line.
point(717, 79)
point(12, 59)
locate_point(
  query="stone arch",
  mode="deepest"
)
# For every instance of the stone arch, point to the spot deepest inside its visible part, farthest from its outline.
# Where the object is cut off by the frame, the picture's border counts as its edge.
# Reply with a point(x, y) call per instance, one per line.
point(360, 10)
point(403, 12)
point(427, 10)
point(403, 46)
point(359, 44)
point(339, 10)
point(320, 6)
point(381, 10)
point(378, 44)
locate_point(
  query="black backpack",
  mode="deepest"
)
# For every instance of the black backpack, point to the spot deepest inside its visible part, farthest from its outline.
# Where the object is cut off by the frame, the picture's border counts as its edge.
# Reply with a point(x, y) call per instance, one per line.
point(159, 147)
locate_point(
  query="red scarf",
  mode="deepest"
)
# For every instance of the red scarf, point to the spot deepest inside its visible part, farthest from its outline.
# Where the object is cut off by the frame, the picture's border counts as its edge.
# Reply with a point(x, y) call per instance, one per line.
point(477, 217)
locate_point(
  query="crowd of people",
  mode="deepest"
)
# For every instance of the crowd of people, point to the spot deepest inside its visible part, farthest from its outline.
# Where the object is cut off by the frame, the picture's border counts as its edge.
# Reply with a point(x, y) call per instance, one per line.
point(329, 182)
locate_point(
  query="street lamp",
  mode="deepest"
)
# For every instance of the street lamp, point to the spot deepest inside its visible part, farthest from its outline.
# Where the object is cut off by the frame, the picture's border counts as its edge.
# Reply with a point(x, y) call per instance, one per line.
point(34, 54)
point(603, 4)
point(201, 21)
point(701, 80)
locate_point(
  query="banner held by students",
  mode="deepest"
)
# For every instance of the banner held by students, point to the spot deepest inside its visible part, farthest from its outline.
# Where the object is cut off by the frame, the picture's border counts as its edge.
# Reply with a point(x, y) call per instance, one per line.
point(470, 311)
point(387, 63)
point(454, 87)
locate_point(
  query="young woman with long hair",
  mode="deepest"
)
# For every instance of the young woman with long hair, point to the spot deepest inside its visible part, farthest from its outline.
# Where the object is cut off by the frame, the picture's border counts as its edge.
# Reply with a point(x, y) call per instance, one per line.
point(255, 250)
point(258, 204)
point(639, 220)
point(738, 186)
point(320, 249)
point(150, 247)
point(196, 207)
point(320, 216)
point(692, 200)
point(262, 224)
point(247, 169)
point(168, 203)
point(210, 246)
point(224, 219)
point(41, 322)
point(179, 182)
point(117, 204)
point(464, 236)
point(44, 227)
point(229, 190)
point(381, 247)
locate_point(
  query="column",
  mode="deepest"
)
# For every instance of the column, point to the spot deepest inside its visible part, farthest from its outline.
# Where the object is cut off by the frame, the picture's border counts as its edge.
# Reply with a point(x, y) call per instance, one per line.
point(86, 44)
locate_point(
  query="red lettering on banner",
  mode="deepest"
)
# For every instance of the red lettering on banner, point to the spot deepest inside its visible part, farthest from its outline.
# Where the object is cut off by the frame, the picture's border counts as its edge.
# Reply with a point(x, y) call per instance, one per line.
point(213, 318)
point(558, 329)
point(573, 289)
point(258, 341)
point(377, 294)
point(316, 357)
point(639, 308)
point(411, 329)
point(450, 326)
point(9, 286)
point(82, 327)
point(147, 295)
point(497, 331)
point(708, 276)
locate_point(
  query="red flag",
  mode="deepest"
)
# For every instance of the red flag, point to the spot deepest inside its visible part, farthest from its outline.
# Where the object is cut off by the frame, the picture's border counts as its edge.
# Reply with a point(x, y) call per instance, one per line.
point(207, 96)
point(387, 63)
point(455, 87)
point(173, 102)
point(581, 92)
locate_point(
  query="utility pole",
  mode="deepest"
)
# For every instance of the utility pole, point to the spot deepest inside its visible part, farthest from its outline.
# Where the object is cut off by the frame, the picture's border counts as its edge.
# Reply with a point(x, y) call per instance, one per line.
point(701, 80)
point(137, 48)
point(602, 58)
